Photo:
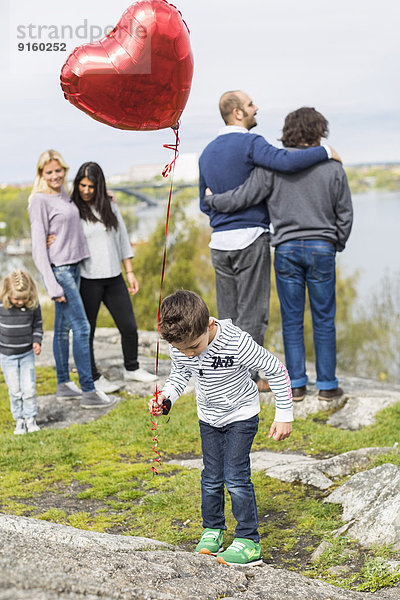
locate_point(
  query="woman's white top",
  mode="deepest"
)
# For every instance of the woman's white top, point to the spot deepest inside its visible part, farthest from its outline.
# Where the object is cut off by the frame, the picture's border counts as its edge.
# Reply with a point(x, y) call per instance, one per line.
point(107, 247)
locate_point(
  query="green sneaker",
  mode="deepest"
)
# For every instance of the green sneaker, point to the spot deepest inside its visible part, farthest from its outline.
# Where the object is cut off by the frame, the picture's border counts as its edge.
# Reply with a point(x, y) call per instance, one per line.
point(242, 552)
point(210, 542)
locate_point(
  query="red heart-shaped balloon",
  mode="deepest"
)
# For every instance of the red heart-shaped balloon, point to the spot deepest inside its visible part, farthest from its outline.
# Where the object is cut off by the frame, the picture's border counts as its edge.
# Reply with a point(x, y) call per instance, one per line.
point(137, 77)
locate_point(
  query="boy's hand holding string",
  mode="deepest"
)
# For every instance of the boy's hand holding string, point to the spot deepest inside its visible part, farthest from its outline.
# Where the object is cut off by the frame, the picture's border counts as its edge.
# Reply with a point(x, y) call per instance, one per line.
point(159, 405)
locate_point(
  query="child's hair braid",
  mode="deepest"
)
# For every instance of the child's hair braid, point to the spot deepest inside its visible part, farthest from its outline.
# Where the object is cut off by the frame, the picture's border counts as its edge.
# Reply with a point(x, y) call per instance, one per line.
point(19, 280)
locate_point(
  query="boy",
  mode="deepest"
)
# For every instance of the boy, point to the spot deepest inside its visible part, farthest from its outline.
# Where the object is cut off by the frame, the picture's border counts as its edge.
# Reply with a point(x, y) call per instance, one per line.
point(219, 356)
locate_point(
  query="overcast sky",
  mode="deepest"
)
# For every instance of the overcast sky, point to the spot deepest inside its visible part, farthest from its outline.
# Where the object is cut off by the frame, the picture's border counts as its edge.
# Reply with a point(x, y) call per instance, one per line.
point(341, 57)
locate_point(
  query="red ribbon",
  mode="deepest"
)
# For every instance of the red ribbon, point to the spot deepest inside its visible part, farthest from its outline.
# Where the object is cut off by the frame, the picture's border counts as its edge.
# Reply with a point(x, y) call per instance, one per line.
point(166, 171)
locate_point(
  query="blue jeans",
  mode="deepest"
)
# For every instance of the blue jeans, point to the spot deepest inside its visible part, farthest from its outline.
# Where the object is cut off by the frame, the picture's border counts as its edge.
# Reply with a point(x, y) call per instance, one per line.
point(71, 315)
point(298, 263)
point(19, 373)
point(226, 459)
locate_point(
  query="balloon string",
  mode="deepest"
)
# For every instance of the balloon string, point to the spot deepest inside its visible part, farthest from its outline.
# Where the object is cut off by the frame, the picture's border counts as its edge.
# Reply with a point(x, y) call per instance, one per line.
point(170, 167)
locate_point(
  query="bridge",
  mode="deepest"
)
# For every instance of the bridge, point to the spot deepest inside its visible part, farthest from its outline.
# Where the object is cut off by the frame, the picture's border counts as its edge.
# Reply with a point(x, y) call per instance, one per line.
point(135, 190)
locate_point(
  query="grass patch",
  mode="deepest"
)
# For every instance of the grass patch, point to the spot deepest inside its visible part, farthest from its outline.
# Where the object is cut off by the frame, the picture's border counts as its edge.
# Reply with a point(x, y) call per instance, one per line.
point(344, 563)
point(376, 574)
point(98, 477)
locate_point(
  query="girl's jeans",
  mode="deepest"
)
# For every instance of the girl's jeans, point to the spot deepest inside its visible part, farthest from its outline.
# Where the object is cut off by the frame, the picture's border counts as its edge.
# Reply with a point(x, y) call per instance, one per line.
point(19, 373)
point(71, 315)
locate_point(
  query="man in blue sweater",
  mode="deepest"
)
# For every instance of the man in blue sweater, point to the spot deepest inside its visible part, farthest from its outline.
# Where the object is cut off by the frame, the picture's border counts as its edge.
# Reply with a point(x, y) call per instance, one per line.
point(240, 240)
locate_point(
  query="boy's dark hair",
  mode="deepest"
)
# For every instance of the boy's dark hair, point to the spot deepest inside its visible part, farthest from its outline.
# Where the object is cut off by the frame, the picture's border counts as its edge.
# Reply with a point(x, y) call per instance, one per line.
point(184, 316)
point(304, 126)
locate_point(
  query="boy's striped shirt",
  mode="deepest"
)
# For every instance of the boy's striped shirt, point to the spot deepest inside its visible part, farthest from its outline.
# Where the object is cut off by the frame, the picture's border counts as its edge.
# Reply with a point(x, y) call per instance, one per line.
point(224, 388)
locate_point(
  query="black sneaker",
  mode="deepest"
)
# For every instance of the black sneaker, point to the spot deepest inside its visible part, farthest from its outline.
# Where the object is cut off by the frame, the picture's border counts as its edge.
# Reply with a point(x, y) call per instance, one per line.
point(299, 393)
point(330, 394)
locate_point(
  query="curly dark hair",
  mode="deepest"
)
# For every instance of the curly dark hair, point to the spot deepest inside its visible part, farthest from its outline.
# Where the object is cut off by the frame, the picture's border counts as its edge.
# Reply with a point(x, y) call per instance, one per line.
point(304, 127)
point(184, 316)
point(101, 202)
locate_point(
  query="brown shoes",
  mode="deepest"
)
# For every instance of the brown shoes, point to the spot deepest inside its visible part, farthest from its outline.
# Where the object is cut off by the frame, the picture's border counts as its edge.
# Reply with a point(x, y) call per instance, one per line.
point(327, 395)
point(299, 393)
point(330, 394)
point(263, 385)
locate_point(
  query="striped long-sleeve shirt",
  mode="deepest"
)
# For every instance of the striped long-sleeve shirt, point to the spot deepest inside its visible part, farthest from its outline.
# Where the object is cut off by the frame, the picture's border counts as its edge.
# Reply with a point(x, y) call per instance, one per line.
point(19, 329)
point(224, 389)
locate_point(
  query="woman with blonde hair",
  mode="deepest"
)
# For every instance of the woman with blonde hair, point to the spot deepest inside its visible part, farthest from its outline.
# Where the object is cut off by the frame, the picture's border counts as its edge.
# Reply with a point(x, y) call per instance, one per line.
point(52, 212)
point(20, 339)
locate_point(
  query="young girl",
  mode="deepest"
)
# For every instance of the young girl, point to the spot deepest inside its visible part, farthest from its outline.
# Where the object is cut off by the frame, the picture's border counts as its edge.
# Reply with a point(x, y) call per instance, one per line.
point(101, 278)
point(20, 339)
point(51, 211)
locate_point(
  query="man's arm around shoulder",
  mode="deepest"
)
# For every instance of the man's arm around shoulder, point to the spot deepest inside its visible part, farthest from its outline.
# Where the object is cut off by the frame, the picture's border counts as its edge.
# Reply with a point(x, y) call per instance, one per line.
point(283, 160)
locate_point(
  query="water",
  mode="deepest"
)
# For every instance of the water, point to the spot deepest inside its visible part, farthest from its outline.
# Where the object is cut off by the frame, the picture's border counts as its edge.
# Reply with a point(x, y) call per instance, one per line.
point(373, 249)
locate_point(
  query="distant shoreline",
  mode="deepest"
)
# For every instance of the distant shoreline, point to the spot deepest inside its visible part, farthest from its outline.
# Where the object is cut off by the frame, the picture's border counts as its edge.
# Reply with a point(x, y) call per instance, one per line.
point(362, 177)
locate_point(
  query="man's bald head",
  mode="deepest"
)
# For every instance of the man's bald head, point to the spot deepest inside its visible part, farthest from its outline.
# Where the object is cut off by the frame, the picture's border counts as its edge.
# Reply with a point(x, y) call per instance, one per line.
point(237, 108)
point(229, 101)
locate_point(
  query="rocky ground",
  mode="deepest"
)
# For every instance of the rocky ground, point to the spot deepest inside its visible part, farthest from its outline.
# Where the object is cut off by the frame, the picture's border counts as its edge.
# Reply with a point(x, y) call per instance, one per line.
point(57, 414)
point(45, 561)
point(356, 409)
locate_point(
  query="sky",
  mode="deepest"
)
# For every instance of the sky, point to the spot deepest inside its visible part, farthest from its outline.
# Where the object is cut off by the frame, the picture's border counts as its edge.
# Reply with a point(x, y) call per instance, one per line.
point(341, 57)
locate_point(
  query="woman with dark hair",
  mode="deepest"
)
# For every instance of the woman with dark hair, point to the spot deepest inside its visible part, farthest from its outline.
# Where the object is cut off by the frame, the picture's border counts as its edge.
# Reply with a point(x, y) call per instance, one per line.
point(101, 278)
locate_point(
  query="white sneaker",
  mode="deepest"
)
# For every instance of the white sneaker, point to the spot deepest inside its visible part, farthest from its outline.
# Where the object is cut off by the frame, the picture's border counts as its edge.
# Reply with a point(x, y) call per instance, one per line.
point(105, 385)
point(31, 425)
point(19, 427)
point(139, 375)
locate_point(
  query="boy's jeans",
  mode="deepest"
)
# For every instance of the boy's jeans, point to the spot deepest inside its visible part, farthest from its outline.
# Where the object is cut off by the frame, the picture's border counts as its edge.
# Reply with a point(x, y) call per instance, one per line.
point(311, 262)
point(226, 458)
point(19, 373)
point(71, 315)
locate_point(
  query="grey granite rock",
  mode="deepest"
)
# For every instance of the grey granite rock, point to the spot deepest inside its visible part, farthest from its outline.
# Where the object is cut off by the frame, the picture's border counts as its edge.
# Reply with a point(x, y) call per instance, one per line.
point(305, 469)
point(371, 507)
point(46, 561)
point(43, 561)
point(357, 408)
point(58, 414)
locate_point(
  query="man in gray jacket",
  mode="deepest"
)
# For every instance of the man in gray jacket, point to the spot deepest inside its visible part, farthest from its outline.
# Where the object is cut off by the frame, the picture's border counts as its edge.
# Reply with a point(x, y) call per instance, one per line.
point(311, 216)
